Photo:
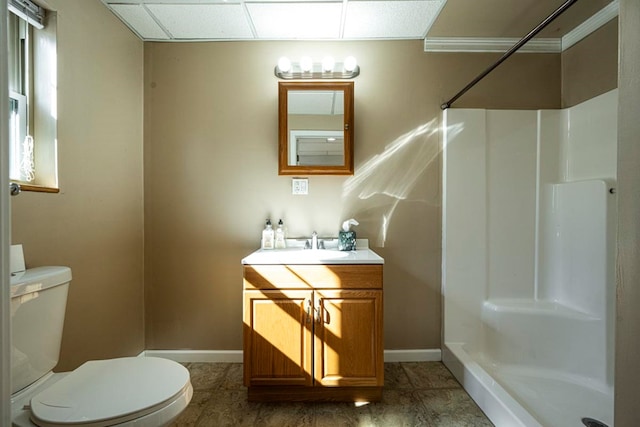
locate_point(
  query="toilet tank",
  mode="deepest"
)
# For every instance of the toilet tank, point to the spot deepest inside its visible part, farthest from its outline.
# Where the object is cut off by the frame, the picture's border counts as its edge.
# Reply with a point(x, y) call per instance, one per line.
point(38, 302)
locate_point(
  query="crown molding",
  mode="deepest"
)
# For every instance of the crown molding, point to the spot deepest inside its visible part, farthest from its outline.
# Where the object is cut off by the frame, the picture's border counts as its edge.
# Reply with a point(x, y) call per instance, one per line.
point(592, 24)
point(489, 44)
point(536, 45)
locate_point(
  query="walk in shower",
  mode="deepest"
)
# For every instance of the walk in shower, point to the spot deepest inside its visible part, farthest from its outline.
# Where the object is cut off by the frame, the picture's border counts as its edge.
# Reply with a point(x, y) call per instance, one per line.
point(528, 260)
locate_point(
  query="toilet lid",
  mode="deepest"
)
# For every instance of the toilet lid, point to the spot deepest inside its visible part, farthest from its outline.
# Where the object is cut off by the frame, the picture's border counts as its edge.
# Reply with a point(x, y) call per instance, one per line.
point(106, 392)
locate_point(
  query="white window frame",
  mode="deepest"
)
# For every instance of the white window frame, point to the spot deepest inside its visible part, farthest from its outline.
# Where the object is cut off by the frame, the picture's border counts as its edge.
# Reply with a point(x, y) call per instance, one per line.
point(17, 134)
point(34, 143)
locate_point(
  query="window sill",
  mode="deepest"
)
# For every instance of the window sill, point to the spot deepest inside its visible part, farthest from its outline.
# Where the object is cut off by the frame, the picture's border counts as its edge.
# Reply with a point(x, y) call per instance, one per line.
point(37, 188)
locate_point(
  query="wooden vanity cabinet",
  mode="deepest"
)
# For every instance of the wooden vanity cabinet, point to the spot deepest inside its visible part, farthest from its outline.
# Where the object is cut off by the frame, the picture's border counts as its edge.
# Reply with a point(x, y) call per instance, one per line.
point(277, 338)
point(313, 332)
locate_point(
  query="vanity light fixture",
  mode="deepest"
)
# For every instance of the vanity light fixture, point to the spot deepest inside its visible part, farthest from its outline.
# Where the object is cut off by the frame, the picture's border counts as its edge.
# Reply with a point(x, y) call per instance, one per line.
point(350, 63)
point(307, 69)
point(327, 64)
point(306, 64)
point(284, 64)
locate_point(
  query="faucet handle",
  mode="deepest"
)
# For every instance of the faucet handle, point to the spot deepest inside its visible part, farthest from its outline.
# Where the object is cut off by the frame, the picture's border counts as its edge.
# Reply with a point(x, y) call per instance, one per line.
point(320, 244)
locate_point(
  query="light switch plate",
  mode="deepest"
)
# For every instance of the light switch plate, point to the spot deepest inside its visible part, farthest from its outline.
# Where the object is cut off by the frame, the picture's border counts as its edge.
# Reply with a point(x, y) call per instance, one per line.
point(300, 186)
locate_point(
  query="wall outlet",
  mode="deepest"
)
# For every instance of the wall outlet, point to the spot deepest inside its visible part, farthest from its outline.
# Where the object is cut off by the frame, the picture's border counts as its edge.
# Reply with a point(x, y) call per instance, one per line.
point(300, 186)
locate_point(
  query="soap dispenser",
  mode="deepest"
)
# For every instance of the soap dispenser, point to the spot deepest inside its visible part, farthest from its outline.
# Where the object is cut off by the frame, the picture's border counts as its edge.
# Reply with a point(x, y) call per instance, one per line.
point(267, 236)
point(280, 237)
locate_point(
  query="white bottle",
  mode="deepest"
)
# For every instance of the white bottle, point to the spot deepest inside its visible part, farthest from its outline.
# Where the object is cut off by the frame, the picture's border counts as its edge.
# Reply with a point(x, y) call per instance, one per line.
point(280, 237)
point(267, 236)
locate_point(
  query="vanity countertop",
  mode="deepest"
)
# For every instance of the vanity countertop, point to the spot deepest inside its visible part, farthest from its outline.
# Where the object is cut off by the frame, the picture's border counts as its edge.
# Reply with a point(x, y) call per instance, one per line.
point(297, 255)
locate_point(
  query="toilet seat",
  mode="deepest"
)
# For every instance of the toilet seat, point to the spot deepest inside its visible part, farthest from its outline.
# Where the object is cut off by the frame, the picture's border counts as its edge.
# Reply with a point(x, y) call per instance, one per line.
point(108, 392)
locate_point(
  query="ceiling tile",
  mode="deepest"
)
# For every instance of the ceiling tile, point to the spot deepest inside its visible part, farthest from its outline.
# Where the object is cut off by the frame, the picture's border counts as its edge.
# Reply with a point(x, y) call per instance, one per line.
point(316, 102)
point(362, 19)
point(288, 20)
point(390, 19)
point(139, 21)
point(203, 21)
point(311, 102)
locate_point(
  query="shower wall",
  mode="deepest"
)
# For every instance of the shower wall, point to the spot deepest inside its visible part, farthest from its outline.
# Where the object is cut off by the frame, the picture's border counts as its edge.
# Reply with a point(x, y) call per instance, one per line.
point(504, 174)
point(489, 218)
point(529, 211)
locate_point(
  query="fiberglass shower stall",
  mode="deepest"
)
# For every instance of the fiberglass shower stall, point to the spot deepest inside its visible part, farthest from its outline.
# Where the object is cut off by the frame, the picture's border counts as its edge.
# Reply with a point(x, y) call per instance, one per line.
point(528, 260)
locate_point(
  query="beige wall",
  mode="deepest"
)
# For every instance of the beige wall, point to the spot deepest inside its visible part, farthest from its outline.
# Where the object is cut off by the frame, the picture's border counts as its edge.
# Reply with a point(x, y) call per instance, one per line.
point(95, 224)
point(590, 67)
point(211, 180)
point(211, 175)
point(627, 375)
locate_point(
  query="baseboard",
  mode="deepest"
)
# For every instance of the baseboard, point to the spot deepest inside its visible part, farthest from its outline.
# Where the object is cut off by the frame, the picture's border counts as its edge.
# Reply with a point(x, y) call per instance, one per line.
point(422, 355)
point(235, 356)
point(189, 356)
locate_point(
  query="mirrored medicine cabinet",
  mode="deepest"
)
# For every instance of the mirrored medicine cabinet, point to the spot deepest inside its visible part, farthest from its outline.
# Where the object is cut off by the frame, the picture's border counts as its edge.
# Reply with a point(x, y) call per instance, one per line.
point(315, 129)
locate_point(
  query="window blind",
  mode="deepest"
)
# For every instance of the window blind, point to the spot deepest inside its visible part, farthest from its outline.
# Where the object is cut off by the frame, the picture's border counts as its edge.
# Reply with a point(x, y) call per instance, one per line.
point(29, 11)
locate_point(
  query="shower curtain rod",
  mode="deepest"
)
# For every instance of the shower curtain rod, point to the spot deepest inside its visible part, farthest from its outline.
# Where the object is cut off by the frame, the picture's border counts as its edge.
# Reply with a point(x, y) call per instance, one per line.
point(566, 5)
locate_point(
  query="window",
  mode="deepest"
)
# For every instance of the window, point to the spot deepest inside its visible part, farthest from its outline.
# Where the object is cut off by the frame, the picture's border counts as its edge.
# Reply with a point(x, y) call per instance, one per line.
point(32, 96)
point(18, 138)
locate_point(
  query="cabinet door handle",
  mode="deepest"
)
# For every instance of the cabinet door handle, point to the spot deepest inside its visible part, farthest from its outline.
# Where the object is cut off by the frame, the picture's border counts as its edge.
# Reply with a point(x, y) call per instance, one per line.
point(308, 310)
point(319, 312)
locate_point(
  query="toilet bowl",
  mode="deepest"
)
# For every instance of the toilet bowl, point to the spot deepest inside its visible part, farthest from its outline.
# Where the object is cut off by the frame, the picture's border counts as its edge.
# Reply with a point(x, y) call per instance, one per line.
point(129, 391)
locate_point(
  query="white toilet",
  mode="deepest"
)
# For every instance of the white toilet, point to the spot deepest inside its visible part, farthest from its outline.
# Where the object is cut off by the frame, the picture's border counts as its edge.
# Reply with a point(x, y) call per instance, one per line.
point(130, 391)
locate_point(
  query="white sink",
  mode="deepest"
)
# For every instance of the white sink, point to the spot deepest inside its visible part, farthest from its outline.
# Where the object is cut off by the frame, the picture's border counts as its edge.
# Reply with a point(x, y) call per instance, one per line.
point(295, 254)
point(319, 254)
point(288, 256)
point(311, 256)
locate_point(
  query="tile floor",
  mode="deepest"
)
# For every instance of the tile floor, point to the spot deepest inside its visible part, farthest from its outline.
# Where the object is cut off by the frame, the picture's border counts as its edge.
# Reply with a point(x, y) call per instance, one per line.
point(415, 394)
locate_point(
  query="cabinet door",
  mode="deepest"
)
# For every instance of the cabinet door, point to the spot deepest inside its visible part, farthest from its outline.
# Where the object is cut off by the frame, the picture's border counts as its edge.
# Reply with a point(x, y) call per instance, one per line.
point(278, 337)
point(348, 338)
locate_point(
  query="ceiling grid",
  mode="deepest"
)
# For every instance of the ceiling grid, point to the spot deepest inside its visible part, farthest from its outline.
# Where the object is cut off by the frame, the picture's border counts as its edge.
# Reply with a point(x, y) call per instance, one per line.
point(444, 25)
point(276, 19)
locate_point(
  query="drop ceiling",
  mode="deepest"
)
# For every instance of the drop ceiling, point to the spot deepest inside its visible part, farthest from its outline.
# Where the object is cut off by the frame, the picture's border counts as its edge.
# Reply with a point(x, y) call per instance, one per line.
point(277, 20)
point(221, 20)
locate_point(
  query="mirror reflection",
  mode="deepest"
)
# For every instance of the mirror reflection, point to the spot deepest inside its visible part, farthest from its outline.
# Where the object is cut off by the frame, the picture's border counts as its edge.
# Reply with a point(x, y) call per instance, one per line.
point(315, 132)
point(315, 121)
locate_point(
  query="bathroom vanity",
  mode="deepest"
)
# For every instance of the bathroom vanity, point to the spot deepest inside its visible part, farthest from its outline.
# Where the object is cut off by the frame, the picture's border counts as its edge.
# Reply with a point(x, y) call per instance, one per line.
point(313, 325)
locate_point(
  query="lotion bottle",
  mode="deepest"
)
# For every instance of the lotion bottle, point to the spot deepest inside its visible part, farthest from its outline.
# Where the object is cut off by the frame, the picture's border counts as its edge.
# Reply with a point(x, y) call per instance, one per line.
point(267, 236)
point(280, 237)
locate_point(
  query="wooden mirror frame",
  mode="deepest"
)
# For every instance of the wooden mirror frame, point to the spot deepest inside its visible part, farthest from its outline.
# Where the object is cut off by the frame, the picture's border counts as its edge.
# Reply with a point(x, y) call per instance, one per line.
point(283, 135)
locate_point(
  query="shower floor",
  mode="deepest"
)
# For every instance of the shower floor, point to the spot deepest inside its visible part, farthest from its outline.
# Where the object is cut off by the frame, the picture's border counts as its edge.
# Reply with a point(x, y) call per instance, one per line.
point(542, 397)
point(554, 399)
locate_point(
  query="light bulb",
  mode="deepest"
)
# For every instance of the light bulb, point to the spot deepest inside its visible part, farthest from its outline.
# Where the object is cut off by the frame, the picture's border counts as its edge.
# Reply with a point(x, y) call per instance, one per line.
point(350, 64)
point(306, 64)
point(327, 64)
point(284, 64)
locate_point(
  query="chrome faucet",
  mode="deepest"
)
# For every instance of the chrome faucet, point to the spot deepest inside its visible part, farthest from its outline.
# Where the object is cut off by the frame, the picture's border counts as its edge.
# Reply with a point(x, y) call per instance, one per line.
point(314, 243)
